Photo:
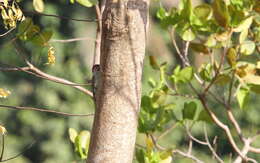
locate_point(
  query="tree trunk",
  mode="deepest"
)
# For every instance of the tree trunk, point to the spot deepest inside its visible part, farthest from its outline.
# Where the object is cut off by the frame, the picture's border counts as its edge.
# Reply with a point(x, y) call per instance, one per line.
point(119, 92)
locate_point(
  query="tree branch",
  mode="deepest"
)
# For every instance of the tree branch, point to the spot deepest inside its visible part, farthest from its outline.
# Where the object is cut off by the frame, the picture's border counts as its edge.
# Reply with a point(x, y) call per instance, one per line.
point(72, 40)
point(60, 17)
point(42, 110)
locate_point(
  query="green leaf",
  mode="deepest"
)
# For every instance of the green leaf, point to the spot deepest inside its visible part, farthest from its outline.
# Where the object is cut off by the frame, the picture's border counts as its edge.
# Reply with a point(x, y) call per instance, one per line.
point(158, 98)
point(161, 13)
point(243, 35)
point(82, 143)
point(24, 26)
point(247, 48)
point(184, 30)
point(254, 88)
point(244, 25)
point(204, 116)
point(200, 48)
point(205, 72)
point(140, 155)
point(38, 5)
point(211, 42)
point(221, 13)
point(87, 3)
point(72, 134)
point(165, 156)
point(189, 110)
point(203, 11)
point(231, 57)
point(42, 38)
point(152, 83)
point(185, 75)
point(222, 79)
point(188, 35)
point(242, 97)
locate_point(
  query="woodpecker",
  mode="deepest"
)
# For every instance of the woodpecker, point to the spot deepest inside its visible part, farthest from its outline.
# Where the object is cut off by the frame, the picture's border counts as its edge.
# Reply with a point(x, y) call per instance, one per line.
point(96, 72)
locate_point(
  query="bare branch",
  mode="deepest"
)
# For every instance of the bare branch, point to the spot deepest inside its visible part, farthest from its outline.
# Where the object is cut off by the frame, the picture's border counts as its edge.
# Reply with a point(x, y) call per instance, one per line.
point(60, 17)
point(222, 126)
point(210, 146)
point(42, 110)
point(217, 72)
point(19, 154)
point(96, 58)
point(10, 30)
point(14, 69)
point(72, 40)
point(188, 156)
point(167, 131)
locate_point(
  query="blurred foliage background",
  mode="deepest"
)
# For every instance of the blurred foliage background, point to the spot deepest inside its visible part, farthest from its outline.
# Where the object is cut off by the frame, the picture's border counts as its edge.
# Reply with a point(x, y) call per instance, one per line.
point(73, 62)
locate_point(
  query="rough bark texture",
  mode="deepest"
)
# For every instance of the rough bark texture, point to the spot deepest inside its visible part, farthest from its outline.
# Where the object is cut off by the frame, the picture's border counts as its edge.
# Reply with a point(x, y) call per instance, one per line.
point(119, 92)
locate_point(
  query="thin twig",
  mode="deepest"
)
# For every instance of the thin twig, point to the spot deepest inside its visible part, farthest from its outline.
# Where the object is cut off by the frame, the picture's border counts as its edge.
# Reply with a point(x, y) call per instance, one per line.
point(19, 154)
point(222, 126)
point(96, 58)
point(3, 147)
point(188, 156)
point(10, 30)
point(72, 40)
point(167, 131)
point(217, 72)
point(39, 73)
point(42, 110)
point(210, 146)
point(60, 17)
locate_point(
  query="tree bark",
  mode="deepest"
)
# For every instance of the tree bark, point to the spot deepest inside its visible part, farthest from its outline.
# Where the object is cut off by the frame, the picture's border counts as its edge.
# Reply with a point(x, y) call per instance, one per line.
point(118, 98)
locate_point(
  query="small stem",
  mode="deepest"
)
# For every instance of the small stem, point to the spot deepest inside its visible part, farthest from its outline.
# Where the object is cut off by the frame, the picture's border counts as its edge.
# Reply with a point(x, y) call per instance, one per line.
point(3, 147)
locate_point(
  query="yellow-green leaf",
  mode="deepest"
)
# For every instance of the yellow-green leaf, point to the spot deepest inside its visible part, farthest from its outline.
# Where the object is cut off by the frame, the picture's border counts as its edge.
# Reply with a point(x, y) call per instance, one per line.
point(247, 48)
point(231, 57)
point(4, 93)
point(72, 134)
point(38, 5)
point(244, 25)
point(203, 12)
point(242, 97)
point(3, 131)
point(200, 48)
point(243, 36)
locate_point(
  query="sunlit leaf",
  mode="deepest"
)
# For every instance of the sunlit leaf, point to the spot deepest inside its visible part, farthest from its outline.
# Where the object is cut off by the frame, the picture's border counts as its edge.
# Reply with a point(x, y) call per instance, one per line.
point(203, 11)
point(149, 143)
point(87, 3)
point(242, 95)
point(38, 5)
point(3, 131)
point(185, 75)
point(51, 56)
point(211, 41)
point(205, 72)
point(4, 93)
point(247, 47)
point(161, 13)
point(244, 25)
point(243, 36)
point(72, 134)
